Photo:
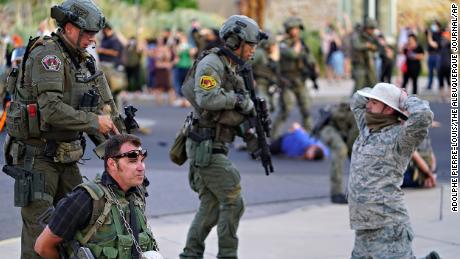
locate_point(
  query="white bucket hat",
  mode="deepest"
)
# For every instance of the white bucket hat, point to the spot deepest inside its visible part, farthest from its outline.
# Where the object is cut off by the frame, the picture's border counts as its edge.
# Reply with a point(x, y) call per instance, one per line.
point(388, 94)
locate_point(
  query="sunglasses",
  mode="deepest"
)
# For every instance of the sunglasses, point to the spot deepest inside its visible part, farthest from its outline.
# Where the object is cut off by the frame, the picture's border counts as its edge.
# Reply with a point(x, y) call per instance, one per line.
point(133, 154)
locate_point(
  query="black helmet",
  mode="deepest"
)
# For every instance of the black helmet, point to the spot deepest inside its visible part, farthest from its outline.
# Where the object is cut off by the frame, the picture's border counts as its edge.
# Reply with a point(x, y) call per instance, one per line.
point(82, 13)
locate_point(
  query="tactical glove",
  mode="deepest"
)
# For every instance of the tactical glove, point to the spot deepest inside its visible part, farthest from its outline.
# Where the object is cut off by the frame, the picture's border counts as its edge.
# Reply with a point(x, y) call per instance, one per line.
point(243, 103)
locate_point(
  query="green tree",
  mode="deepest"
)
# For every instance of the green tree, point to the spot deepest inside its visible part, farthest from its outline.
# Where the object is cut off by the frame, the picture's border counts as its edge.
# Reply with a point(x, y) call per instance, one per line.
point(164, 5)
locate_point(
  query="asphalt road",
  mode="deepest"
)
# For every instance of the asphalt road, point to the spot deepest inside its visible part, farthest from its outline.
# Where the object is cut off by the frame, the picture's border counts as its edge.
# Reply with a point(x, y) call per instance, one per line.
point(169, 191)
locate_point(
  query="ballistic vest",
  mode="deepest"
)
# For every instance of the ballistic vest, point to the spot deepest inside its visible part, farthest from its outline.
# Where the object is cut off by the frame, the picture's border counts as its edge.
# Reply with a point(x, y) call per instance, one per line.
point(224, 122)
point(106, 235)
point(23, 120)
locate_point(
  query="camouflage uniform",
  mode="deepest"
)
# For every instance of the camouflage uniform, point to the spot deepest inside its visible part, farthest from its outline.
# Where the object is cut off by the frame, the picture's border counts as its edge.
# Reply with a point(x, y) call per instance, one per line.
point(378, 162)
point(293, 68)
point(266, 70)
point(220, 103)
point(339, 134)
point(362, 60)
point(51, 90)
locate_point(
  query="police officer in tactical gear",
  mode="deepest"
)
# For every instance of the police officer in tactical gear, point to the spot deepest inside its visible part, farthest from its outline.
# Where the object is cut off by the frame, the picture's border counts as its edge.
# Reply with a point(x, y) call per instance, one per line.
point(337, 129)
point(296, 62)
point(45, 120)
point(108, 208)
point(221, 105)
point(267, 75)
point(363, 48)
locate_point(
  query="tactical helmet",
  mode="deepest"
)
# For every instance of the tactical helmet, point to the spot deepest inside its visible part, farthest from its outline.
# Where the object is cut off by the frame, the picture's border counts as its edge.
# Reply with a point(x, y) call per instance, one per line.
point(370, 23)
point(82, 13)
point(239, 28)
point(292, 22)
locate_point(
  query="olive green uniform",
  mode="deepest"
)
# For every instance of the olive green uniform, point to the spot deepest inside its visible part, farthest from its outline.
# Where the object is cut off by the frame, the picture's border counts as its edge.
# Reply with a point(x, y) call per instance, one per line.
point(362, 59)
point(293, 69)
point(339, 135)
point(212, 175)
point(265, 74)
point(51, 85)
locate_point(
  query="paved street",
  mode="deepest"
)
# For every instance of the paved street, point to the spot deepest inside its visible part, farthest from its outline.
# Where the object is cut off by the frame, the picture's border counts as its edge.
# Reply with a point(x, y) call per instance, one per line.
point(295, 183)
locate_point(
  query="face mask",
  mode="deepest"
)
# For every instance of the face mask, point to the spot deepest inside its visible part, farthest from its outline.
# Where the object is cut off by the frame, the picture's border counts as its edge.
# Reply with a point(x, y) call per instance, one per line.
point(434, 28)
point(377, 121)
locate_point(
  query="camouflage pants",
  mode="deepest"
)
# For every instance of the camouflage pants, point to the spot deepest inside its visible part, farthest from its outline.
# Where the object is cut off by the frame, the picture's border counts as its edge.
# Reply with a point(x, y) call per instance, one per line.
point(363, 77)
point(394, 241)
point(221, 204)
point(59, 180)
point(339, 150)
point(263, 90)
point(300, 92)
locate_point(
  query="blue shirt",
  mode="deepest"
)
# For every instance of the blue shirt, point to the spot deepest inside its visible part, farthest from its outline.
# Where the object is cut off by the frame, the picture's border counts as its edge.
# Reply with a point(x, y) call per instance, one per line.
point(294, 143)
point(112, 43)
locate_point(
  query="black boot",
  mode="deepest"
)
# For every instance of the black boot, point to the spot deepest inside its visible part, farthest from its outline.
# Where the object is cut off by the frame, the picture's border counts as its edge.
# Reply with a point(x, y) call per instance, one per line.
point(433, 255)
point(339, 199)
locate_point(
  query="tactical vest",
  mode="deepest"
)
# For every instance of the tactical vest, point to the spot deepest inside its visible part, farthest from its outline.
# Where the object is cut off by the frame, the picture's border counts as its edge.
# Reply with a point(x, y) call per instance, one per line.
point(363, 57)
point(106, 235)
point(224, 122)
point(23, 116)
point(289, 64)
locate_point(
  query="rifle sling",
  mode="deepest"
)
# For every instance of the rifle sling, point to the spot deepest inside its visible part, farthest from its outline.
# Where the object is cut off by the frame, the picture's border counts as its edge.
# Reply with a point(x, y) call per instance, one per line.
point(231, 55)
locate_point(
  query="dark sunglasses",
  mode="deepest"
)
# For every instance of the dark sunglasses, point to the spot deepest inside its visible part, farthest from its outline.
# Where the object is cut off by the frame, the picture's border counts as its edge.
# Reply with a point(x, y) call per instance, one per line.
point(133, 154)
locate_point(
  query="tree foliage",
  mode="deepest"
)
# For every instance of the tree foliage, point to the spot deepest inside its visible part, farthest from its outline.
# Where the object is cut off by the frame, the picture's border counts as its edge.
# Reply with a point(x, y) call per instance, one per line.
point(164, 5)
point(152, 16)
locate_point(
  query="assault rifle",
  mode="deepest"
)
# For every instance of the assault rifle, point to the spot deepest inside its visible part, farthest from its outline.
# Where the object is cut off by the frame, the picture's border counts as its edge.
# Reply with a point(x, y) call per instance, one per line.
point(260, 120)
point(124, 125)
point(324, 118)
point(309, 70)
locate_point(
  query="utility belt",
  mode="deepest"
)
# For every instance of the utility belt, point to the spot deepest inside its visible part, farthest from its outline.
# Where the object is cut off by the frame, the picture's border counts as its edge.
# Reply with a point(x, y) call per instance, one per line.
point(204, 140)
point(60, 151)
point(30, 186)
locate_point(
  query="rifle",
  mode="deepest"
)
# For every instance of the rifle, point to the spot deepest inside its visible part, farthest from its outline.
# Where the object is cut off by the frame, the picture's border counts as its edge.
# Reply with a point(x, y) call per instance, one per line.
point(260, 120)
point(374, 41)
point(324, 118)
point(272, 74)
point(124, 125)
point(309, 70)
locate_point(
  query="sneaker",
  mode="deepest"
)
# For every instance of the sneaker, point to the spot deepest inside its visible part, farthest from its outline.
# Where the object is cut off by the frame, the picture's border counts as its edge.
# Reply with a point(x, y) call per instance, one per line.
point(433, 255)
point(339, 199)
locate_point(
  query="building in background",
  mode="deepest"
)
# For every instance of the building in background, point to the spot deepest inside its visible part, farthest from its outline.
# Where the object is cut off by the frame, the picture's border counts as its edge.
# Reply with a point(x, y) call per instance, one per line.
point(390, 14)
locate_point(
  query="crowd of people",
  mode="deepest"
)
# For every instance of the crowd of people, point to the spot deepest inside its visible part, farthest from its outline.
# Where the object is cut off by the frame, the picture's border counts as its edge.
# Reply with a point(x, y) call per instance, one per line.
point(198, 68)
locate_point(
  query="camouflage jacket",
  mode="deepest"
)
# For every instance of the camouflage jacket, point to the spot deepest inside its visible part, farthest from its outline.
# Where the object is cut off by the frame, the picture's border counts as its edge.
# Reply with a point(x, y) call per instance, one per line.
point(378, 162)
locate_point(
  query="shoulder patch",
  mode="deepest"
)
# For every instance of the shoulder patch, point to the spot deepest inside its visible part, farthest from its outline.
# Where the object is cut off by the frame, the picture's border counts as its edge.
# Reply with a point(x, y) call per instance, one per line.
point(207, 82)
point(51, 63)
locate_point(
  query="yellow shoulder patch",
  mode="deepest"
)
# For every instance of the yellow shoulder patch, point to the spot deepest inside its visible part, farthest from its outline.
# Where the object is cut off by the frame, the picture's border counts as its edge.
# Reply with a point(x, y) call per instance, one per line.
point(207, 82)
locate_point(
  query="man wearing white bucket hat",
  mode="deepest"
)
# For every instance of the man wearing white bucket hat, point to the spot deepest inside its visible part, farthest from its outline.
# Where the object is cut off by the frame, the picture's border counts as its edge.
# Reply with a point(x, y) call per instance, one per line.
point(391, 125)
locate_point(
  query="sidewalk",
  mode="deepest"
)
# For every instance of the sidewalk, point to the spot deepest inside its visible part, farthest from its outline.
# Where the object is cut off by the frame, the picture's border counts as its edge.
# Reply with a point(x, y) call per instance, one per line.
point(308, 231)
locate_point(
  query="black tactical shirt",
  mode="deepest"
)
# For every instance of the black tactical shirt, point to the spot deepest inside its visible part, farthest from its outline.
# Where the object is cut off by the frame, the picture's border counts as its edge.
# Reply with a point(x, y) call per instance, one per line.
point(74, 211)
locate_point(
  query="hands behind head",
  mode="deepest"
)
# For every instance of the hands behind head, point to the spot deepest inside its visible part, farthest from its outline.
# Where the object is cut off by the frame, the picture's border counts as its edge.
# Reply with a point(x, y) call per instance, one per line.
point(402, 100)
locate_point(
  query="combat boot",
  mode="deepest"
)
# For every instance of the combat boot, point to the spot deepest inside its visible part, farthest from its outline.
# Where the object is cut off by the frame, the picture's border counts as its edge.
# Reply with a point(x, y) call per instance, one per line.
point(433, 255)
point(339, 199)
